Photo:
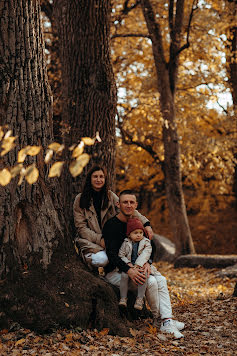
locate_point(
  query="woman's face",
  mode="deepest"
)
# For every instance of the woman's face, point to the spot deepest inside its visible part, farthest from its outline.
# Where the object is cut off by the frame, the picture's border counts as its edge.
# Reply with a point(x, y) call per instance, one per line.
point(97, 180)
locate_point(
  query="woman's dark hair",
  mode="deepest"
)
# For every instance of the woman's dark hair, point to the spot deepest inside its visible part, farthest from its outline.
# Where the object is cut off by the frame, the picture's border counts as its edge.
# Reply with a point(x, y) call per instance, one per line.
point(86, 195)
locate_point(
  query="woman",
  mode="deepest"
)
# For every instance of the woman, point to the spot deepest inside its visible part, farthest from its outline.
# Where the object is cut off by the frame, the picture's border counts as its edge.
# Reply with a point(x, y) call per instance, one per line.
point(92, 208)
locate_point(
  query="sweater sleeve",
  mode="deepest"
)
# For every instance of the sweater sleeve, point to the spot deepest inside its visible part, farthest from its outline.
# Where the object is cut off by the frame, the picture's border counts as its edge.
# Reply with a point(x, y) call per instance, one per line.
point(111, 235)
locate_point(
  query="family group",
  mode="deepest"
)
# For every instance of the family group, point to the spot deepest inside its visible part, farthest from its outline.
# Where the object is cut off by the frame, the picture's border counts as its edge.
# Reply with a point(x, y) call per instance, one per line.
point(112, 234)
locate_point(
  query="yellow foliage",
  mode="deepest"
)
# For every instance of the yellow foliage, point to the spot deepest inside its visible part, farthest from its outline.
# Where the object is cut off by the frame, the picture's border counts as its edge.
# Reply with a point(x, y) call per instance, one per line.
point(56, 169)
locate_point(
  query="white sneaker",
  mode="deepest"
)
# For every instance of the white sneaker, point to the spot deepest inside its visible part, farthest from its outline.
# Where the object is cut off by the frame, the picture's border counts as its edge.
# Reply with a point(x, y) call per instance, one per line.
point(168, 326)
point(179, 325)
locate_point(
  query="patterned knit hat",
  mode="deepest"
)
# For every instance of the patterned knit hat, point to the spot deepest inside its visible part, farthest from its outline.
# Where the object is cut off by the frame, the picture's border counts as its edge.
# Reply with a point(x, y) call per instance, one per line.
point(134, 224)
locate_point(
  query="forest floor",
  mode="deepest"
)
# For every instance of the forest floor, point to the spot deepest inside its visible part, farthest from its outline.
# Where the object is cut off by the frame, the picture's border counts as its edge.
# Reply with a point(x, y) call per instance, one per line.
point(200, 298)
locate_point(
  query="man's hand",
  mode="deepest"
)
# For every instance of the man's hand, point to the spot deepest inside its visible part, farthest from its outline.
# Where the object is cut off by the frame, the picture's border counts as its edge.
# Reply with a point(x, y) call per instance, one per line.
point(136, 276)
point(149, 231)
point(146, 269)
point(102, 243)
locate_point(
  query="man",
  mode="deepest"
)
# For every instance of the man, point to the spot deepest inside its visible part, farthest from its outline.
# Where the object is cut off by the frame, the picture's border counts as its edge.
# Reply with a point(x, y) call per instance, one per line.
point(157, 294)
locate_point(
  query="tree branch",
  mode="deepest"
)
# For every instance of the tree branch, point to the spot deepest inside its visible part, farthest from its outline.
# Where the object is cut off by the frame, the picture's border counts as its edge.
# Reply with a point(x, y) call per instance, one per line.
point(127, 138)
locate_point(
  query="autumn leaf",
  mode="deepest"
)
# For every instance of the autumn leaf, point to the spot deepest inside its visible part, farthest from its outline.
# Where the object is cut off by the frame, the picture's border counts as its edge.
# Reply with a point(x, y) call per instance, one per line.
point(5, 177)
point(48, 156)
point(7, 144)
point(56, 147)
point(56, 169)
point(78, 150)
point(33, 150)
point(75, 168)
point(31, 174)
point(88, 141)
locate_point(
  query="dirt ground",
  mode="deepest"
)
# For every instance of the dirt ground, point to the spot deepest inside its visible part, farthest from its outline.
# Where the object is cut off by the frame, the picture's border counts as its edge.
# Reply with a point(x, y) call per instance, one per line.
point(199, 297)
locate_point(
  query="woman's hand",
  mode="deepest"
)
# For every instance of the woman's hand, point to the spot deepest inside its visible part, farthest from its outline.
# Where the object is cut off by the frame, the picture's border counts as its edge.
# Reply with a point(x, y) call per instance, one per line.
point(102, 243)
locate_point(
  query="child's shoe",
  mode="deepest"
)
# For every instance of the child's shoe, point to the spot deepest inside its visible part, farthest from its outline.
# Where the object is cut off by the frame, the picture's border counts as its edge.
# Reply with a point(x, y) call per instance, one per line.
point(139, 303)
point(123, 302)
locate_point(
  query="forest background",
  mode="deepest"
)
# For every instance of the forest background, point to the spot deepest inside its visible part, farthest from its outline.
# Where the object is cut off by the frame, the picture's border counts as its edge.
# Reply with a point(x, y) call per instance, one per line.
point(175, 113)
point(205, 115)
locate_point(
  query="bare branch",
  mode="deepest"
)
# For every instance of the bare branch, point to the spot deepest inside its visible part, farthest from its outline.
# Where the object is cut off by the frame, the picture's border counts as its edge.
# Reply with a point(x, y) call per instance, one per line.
point(187, 44)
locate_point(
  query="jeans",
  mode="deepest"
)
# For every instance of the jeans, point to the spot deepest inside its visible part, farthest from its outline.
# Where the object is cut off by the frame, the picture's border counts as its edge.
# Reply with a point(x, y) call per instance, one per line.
point(157, 293)
point(98, 259)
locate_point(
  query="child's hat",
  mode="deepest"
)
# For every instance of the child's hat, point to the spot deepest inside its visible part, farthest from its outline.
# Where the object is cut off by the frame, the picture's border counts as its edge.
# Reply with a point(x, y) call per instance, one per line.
point(134, 224)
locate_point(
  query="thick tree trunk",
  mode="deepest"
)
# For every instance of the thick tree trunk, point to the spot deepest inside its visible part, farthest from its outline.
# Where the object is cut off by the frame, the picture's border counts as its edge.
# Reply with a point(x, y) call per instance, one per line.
point(42, 281)
point(30, 215)
point(231, 63)
point(89, 90)
point(166, 76)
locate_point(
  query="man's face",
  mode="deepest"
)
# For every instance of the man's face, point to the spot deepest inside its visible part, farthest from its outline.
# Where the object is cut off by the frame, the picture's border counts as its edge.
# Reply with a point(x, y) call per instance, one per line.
point(127, 204)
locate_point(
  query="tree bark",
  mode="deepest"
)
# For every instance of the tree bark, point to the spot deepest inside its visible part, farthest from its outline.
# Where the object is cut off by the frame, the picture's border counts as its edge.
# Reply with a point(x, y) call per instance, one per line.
point(167, 79)
point(31, 219)
point(42, 281)
point(88, 87)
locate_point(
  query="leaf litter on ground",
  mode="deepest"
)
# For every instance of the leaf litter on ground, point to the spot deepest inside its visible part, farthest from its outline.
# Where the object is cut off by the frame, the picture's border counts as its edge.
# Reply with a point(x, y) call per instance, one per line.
point(200, 298)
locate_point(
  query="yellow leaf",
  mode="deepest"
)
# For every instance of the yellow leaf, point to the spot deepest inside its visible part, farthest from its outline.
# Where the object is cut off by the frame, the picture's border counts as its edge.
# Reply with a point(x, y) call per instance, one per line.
point(1, 133)
point(83, 159)
point(33, 150)
point(5, 176)
point(88, 141)
point(97, 136)
point(8, 134)
point(56, 147)
point(7, 144)
point(56, 169)
point(19, 342)
point(75, 168)
point(16, 170)
point(22, 154)
point(78, 150)
point(31, 174)
point(48, 156)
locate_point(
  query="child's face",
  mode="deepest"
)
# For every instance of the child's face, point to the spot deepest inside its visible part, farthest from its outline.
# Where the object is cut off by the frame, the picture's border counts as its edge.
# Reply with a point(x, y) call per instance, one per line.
point(136, 235)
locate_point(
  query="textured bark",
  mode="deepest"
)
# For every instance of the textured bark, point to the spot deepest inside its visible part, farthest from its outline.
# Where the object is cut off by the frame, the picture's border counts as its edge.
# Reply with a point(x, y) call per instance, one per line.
point(231, 62)
point(167, 79)
point(30, 215)
point(89, 90)
point(42, 280)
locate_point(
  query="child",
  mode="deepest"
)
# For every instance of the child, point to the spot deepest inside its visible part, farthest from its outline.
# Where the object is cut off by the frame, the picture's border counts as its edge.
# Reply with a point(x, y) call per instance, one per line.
point(135, 251)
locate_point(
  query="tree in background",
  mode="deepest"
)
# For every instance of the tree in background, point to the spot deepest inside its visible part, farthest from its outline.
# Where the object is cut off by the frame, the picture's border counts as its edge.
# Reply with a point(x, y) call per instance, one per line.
point(88, 85)
point(207, 164)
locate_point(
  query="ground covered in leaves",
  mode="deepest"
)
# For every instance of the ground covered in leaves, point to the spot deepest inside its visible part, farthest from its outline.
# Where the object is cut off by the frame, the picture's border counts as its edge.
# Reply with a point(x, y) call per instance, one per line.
point(199, 297)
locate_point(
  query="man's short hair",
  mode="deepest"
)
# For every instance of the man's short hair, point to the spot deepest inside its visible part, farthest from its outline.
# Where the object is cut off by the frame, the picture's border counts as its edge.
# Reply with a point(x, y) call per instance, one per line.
point(128, 191)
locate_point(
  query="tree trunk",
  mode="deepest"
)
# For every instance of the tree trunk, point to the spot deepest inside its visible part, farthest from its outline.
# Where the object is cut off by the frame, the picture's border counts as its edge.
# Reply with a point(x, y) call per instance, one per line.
point(88, 83)
point(231, 63)
point(167, 78)
point(31, 220)
point(42, 281)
